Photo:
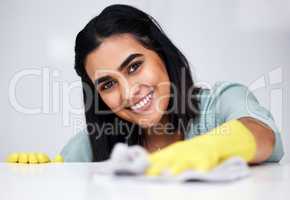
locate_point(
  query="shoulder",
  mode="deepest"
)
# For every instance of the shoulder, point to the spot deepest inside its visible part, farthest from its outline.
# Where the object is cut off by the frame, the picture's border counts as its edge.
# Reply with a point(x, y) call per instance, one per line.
point(78, 148)
point(220, 89)
point(226, 101)
point(210, 101)
point(223, 95)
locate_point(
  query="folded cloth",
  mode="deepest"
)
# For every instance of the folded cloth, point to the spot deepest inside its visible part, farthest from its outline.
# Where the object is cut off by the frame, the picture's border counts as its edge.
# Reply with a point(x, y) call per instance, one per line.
point(133, 161)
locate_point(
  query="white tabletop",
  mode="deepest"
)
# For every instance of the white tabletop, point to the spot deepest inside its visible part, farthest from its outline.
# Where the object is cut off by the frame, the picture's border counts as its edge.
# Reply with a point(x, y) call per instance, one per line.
point(78, 181)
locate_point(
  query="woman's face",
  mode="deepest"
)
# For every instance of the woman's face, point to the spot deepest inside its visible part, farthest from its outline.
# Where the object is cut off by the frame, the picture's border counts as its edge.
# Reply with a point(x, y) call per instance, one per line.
point(130, 79)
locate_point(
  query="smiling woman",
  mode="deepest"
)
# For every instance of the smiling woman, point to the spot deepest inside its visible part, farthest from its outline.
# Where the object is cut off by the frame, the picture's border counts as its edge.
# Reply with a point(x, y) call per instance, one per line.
point(136, 77)
point(134, 72)
point(138, 89)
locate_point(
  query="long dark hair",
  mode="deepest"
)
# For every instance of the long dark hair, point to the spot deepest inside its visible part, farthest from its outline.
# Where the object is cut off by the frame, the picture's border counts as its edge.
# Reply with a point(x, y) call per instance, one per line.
point(118, 19)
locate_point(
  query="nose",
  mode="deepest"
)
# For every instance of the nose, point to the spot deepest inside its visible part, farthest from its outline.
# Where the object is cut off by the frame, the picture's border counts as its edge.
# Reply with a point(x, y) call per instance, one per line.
point(132, 94)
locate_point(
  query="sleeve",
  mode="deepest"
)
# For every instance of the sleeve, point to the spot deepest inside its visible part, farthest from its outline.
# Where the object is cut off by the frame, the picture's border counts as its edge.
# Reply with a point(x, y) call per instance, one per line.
point(78, 149)
point(235, 101)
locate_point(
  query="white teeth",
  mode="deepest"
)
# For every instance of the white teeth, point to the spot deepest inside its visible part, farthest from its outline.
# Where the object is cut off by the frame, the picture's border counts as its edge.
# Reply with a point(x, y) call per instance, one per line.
point(140, 104)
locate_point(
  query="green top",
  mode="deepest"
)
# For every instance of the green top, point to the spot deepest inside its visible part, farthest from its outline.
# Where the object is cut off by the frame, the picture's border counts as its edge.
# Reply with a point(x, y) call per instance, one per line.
point(224, 102)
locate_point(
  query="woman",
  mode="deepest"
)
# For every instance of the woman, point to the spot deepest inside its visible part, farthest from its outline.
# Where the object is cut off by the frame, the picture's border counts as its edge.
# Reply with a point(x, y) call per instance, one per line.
point(138, 89)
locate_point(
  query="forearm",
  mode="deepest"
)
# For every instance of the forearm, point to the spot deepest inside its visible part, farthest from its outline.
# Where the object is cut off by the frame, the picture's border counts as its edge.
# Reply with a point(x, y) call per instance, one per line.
point(264, 138)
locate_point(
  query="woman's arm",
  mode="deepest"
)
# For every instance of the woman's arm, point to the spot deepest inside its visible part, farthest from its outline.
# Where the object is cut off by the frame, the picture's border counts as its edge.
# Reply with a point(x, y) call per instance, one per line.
point(264, 137)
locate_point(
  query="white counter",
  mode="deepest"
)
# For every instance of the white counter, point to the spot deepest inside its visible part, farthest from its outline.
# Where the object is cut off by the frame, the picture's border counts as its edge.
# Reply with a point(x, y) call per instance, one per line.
point(77, 181)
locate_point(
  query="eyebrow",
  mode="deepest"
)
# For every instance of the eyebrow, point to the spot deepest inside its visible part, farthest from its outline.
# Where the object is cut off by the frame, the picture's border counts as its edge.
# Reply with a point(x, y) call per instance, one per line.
point(120, 68)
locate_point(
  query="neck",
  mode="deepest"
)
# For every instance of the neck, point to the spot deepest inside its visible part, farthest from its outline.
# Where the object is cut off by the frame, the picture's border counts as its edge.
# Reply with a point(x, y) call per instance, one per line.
point(159, 128)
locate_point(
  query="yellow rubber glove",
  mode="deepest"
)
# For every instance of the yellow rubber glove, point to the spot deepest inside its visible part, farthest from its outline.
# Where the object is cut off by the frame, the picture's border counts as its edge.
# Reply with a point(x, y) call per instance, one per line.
point(58, 159)
point(204, 152)
point(32, 158)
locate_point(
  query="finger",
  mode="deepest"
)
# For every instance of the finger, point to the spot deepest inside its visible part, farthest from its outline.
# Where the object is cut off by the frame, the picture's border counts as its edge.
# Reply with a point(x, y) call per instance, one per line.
point(58, 158)
point(32, 158)
point(156, 168)
point(160, 155)
point(12, 158)
point(153, 158)
point(23, 158)
point(42, 158)
point(201, 165)
point(179, 167)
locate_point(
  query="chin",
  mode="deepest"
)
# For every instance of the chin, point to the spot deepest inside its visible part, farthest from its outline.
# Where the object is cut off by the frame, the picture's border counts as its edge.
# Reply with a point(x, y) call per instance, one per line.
point(148, 122)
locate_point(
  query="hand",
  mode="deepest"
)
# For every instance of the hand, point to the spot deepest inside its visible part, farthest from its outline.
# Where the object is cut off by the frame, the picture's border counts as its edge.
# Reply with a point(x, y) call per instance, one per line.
point(32, 158)
point(204, 152)
point(197, 154)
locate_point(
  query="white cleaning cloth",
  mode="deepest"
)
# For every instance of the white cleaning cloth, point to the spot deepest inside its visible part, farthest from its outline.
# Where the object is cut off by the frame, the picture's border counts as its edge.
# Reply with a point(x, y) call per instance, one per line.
point(133, 161)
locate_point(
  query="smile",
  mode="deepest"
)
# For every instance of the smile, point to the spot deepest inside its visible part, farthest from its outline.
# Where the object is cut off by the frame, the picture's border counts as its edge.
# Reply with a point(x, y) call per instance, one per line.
point(143, 104)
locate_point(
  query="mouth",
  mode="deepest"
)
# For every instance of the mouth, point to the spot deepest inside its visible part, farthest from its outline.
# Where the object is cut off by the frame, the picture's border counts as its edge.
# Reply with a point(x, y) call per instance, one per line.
point(144, 103)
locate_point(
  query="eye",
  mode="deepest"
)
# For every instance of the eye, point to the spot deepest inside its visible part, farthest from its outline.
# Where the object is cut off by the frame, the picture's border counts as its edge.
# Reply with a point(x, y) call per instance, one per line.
point(132, 68)
point(108, 85)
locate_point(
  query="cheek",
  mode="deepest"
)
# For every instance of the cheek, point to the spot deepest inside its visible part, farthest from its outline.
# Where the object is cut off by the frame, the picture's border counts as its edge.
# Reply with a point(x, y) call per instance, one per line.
point(153, 75)
point(158, 77)
point(112, 100)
